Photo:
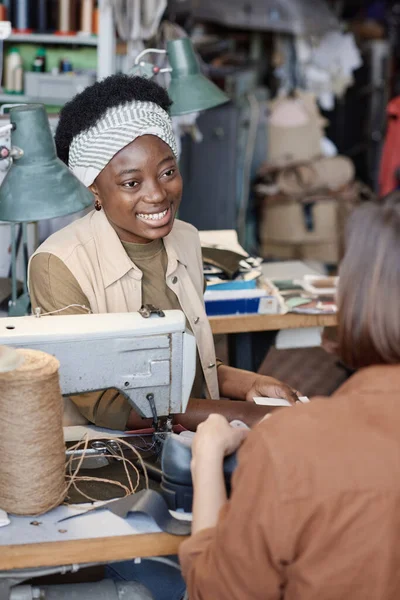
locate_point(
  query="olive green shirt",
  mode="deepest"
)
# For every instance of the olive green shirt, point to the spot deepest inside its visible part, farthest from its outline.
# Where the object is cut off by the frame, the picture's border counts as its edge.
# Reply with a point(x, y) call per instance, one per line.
point(53, 287)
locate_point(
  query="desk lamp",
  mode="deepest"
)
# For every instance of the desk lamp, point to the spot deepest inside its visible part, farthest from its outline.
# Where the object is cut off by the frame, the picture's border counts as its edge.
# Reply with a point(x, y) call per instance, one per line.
point(189, 90)
point(37, 186)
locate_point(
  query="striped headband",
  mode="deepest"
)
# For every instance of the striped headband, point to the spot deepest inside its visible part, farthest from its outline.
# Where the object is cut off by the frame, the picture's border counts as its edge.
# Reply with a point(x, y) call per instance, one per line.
point(91, 151)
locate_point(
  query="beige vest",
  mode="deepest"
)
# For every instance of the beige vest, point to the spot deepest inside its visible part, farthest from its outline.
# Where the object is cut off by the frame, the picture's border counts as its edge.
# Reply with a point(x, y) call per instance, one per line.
point(92, 251)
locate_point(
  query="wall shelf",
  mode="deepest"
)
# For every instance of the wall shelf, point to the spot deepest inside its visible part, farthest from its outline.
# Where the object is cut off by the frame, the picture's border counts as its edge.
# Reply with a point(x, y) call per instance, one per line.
point(105, 44)
point(39, 38)
point(23, 99)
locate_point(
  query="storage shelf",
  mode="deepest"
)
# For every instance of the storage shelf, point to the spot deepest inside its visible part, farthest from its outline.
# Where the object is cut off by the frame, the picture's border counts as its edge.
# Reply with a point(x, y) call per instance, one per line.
point(23, 99)
point(39, 38)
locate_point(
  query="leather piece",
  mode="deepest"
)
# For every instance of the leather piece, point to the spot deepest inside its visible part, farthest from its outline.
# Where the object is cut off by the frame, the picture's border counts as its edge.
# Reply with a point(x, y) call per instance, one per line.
point(176, 458)
point(151, 504)
point(145, 502)
point(176, 482)
point(226, 260)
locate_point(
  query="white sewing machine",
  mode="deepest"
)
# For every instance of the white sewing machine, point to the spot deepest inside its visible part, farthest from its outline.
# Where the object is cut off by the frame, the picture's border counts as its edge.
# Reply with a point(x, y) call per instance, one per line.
point(152, 360)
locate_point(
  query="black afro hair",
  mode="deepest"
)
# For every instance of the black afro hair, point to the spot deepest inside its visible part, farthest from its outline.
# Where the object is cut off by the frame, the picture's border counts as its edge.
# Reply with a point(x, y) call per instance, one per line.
point(85, 109)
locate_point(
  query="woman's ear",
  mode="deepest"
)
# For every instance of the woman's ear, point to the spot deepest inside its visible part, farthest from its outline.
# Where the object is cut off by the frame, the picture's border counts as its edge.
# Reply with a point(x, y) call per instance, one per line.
point(94, 190)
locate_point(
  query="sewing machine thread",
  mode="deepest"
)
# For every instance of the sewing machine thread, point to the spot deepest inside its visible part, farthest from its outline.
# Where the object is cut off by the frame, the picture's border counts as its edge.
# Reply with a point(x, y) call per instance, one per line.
point(32, 466)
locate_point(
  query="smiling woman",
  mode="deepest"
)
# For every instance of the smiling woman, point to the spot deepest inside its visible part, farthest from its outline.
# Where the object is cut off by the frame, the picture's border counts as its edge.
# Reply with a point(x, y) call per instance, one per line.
point(116, 136)
point(141, 203)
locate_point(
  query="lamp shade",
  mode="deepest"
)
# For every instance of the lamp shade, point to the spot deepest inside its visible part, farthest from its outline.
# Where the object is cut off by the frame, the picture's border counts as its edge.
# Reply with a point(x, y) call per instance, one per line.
point(189, 90)
point(38, 185)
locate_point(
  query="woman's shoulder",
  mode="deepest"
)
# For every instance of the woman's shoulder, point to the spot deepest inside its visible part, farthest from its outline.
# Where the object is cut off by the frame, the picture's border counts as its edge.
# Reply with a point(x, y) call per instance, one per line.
point(183, 228)
point(65, 240)
point(184, 238)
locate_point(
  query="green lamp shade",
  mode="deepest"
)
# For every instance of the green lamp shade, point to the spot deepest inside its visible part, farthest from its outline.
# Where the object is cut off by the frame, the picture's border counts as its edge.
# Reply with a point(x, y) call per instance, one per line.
point(189, 90)
point(38, 185)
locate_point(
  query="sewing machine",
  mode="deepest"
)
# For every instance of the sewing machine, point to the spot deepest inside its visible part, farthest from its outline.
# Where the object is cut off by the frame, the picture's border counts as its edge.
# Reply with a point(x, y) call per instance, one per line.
point(149, 356)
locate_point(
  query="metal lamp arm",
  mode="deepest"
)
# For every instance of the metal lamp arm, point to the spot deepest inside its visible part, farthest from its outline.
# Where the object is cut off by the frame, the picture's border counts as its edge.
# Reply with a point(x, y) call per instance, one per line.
point(156, 70)
point(148, 51)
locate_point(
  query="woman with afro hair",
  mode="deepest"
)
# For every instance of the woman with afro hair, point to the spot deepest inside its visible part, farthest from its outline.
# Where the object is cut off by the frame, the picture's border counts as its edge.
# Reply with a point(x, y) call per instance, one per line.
point(116, 137)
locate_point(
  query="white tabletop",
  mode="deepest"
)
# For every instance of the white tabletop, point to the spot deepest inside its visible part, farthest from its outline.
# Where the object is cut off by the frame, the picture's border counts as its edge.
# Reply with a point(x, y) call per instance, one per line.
point(95, 524)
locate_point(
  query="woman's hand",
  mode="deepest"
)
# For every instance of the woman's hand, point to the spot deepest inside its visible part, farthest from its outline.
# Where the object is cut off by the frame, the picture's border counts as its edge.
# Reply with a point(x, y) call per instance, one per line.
point(244, 385)
point(215, 439)
point(269, 387)
point(329, 340)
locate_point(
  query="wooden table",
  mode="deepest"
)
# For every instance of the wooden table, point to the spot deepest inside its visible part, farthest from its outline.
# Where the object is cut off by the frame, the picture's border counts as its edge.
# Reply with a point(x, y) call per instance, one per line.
point(85, 551)
point(249, 323)
point(251, 336)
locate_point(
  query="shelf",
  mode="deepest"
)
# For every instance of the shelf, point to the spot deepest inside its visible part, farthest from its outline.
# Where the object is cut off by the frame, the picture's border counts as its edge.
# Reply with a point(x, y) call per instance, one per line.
point(22, 99)
point(39, 38)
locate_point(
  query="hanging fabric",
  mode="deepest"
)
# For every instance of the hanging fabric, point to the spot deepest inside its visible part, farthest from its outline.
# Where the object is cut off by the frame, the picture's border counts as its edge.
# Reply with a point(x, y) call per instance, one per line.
point(389, 175)
point(137, 21)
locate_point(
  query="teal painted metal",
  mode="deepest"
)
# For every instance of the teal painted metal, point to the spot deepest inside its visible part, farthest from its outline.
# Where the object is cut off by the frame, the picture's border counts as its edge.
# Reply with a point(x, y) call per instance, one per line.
point(189, 90)
point(38, 185)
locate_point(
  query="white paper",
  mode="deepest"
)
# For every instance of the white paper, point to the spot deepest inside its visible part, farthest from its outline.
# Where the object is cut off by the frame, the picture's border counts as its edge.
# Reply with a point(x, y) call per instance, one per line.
point(278, 401)
point(304, 399)
point(272, 402)
point(235, 294)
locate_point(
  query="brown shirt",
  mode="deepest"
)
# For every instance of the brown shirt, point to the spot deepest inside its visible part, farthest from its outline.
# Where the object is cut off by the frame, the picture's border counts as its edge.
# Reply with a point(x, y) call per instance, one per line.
point(315, 509)
point(53, 287)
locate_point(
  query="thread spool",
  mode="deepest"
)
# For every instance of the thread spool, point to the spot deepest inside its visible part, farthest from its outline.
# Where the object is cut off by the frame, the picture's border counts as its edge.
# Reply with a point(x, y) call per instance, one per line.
point(86, 16)
point(42, 17)
point(21, 14)
point(64, 17)
point(32, 465)
point(95, 22)
point(10, 359)
point(19, 79)
point(75, 15)
point(13, 71)
point(52, 15)
point(7, 6)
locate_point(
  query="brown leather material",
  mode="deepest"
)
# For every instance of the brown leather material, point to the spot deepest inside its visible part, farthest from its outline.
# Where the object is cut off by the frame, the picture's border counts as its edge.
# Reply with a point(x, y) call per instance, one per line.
point(226, 260)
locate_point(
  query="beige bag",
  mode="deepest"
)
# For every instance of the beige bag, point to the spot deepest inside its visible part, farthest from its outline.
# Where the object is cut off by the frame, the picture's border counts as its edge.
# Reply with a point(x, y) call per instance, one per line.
point(324, 174)
point(283, 227)
point(295, 129)
point(334, 173)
